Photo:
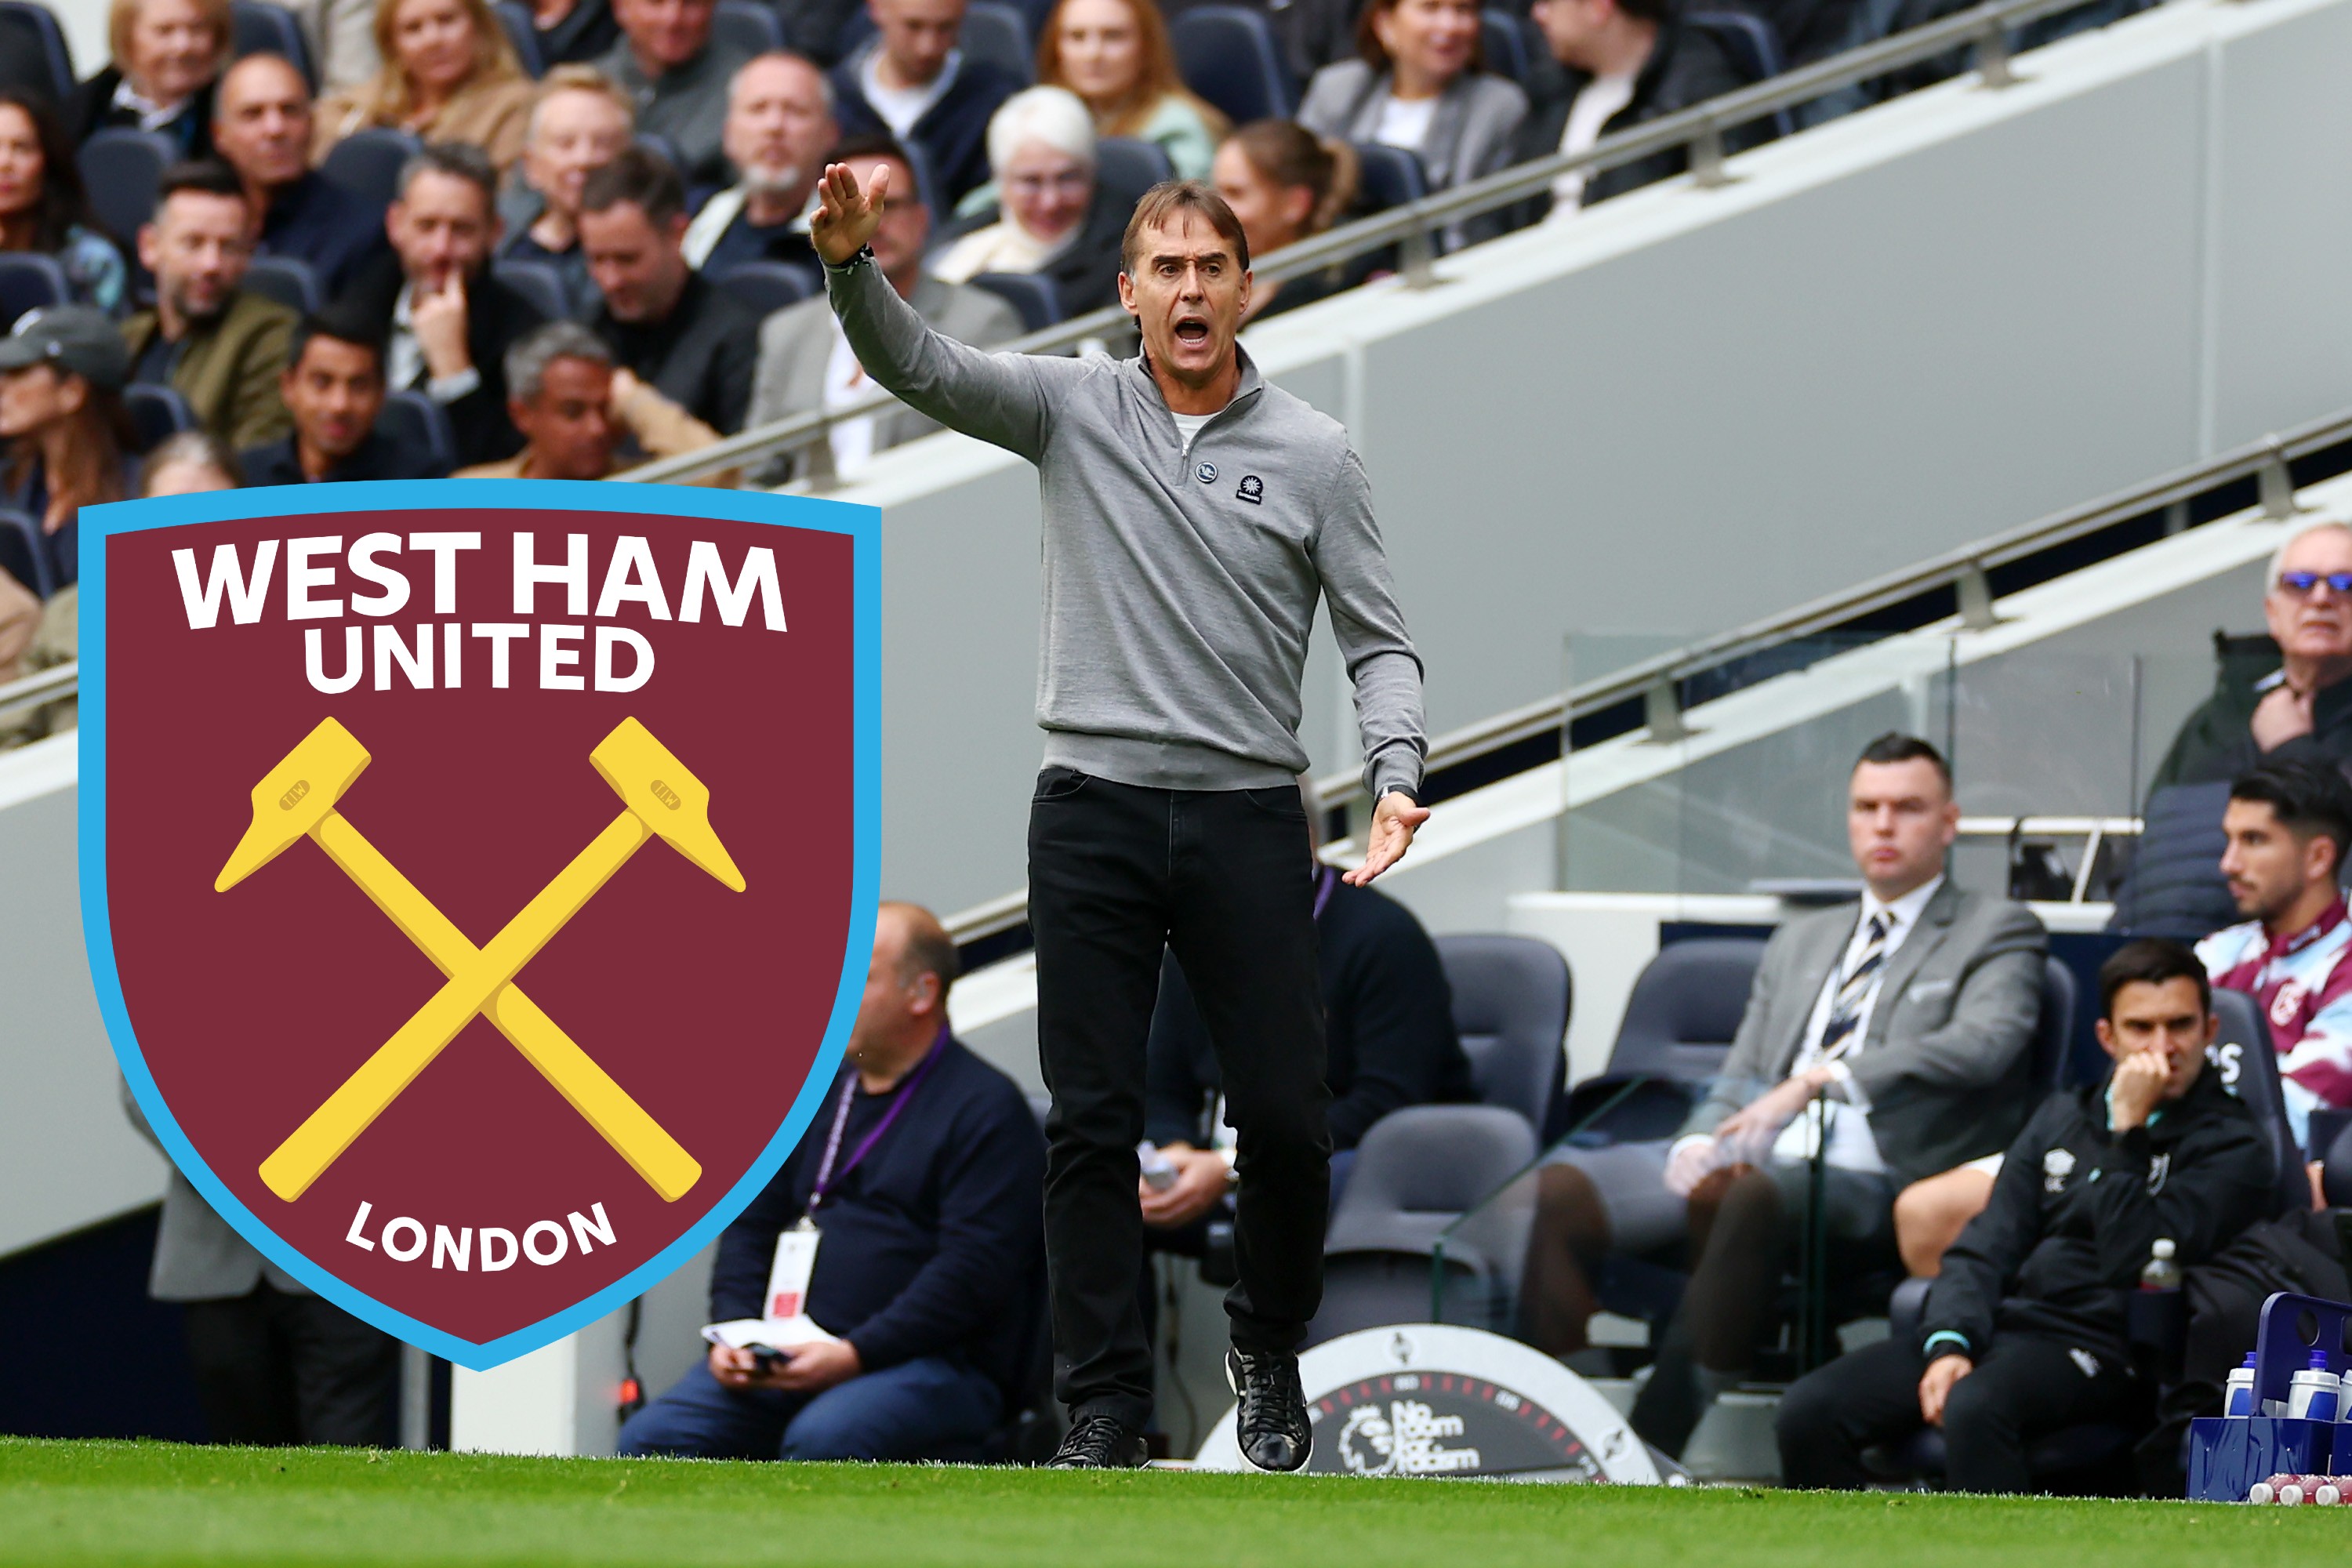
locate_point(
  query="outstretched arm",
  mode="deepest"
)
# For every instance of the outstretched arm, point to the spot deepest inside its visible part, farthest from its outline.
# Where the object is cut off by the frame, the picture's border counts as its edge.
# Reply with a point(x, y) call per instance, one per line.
point(999, 398)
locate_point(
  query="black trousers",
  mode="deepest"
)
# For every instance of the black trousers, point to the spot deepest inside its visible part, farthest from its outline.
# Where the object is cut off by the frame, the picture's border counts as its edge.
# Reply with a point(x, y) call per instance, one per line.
point(2027, 1386)
point(1117, 874)
point(274, 1369)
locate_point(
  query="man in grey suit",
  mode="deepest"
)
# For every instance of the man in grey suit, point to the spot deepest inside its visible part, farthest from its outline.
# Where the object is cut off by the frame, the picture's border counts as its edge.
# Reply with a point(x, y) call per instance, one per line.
point(1908, 1019)
point(273, 1364)
point(805, 360)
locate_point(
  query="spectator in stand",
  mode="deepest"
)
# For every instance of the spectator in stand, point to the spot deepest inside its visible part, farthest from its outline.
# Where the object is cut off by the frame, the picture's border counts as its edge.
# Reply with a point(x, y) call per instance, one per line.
point(573, 32)
point(167, 54)
point(1911, 1018)
point(1284, 183)
point(665, 323)
point(678, 74)
point(62, 371)
point(913, 82)
point(2027, 1329)
point(189, 462)
point(1388, 1037)
point(448, 75)
point(779, 128)
point(208, 339)
point(334, 390)
point(261, 126)
point(1058, 222)
point(2302, 708)
point(2289, 824)
point(805, 363)
point(1613, 65)
point(1417, 83)
point(580, 122)
point(1115, 55)
point(446, 322)
point(573, 407)
point(42, 205)
point(929, 1284)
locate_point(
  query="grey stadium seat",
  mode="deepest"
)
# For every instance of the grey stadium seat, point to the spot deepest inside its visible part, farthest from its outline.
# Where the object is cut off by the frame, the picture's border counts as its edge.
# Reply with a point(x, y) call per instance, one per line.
point(1512, 996)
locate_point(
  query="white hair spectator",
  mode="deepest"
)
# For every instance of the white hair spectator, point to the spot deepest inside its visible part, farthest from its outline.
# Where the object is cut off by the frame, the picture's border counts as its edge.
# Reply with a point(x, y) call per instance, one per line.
point(1052, 115)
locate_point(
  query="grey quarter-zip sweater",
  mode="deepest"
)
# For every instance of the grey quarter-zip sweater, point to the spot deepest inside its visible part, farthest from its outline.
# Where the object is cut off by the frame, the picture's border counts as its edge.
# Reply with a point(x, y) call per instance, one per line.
point(1180, 587)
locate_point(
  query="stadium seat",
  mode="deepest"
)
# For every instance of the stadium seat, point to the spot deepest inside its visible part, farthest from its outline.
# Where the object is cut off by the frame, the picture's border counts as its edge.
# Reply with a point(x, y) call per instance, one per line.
point(1511, 1001)
point(261, 28)
point(414, 423)
point(2175, 886)
point(29, 281)
point(33, 53)
point(538, 282)
point(514, 20)
point(2249, 1068)
point(156, 413)
point(2053, 1031)
point(1033, 295)
point(1503, 39)
point(120, 169)
point(1228, 55)
point(1000, 35)
point(1753, 46)
point(367, 163)
point(1678, 1027)
point(748, 26)
point(288, 279)
point(1418, 1170)
point(1127, 166)
point(1389, 178)
point(767, 287)
point(21, 556)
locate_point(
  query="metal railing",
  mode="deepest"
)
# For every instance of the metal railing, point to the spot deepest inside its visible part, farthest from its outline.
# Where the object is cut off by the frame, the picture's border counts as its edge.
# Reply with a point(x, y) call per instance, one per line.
point(1414, 228)
point(34, 690)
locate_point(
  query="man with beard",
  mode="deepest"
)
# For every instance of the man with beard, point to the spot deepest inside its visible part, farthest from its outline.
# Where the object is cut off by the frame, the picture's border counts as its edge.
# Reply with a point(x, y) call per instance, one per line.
point(686, 337)
point(334, 390)
point(217, 346)
point(779, 126)
point(261, 125)
point(446, 322)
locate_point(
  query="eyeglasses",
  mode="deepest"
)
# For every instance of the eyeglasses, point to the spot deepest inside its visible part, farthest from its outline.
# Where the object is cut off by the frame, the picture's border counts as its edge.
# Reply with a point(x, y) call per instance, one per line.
point(1068, 180)
point(2302, 583)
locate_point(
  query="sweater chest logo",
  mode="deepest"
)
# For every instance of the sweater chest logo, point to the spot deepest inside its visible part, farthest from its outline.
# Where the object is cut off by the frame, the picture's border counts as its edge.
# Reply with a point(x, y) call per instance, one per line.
point(2056, 1166)
point(2158, 1170)
point(1206, 473)
point(2286, 1004)
point(1253, 490)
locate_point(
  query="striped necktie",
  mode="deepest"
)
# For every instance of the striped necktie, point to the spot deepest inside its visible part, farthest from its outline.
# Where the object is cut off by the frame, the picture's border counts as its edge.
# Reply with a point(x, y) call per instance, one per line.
point(1838, 1035)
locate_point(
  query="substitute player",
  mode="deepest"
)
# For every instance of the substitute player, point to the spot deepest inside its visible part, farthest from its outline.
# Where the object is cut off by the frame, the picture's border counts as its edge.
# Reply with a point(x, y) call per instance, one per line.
point(1193, 515)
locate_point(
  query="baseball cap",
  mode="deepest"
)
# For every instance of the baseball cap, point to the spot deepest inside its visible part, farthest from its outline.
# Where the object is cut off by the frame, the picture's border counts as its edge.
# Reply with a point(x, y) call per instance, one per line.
point(78, 338)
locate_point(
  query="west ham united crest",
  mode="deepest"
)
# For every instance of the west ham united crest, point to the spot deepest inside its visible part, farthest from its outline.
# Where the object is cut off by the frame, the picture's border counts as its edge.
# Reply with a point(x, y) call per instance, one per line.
point(479, 876)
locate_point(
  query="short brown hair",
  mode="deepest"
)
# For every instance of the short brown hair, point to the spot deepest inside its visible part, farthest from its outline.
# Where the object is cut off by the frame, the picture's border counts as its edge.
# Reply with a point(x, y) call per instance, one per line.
point(1170, 197)
point(641, 178)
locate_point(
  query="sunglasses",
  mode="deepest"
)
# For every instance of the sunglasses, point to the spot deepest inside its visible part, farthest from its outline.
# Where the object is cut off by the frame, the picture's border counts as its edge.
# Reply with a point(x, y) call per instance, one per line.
point(2301, 583)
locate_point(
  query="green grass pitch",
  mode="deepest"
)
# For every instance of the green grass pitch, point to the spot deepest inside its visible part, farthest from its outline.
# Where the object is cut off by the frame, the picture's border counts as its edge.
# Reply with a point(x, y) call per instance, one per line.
point(152, 1503)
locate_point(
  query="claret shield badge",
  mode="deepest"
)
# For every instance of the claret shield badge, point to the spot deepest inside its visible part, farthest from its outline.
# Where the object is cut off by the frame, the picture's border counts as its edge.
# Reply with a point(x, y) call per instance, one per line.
point(478, 876)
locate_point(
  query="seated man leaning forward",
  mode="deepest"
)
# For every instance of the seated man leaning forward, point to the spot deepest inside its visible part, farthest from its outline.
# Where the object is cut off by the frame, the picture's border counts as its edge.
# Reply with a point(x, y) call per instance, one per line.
point(2026, 1328)
point(1911, 1017)
point(573, 404)
point(924, 1180)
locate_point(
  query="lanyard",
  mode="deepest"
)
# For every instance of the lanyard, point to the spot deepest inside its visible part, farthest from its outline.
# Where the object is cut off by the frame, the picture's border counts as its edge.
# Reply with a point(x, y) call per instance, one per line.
point(824, 1171)
point(1326, 882)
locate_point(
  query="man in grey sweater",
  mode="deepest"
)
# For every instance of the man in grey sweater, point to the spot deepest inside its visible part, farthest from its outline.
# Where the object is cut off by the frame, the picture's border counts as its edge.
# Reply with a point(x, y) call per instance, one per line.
point(1194, 515)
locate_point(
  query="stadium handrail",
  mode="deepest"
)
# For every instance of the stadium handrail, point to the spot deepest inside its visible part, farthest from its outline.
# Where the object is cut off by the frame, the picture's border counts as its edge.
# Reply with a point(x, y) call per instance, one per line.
point(1414, 226)
point(1658, 681)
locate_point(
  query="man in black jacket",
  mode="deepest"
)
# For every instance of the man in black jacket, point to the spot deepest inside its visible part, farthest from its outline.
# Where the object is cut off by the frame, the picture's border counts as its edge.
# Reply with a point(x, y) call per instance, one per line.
point(684, 337)
point(333, 387)
point(447, 323)
point(2026, 1328)
point(924, 1180)
point(914, 82)
point(1613, 65)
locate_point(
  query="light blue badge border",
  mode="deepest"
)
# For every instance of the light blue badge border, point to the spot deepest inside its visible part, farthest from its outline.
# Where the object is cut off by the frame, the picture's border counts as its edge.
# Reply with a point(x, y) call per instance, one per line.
point(863, 524)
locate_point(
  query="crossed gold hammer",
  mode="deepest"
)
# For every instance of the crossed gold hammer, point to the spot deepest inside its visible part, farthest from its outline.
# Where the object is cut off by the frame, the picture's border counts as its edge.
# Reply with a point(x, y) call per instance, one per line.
point(659, 798)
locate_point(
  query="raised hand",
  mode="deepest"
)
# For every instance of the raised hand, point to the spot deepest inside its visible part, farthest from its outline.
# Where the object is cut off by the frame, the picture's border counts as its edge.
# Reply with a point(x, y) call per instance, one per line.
point(846, 217)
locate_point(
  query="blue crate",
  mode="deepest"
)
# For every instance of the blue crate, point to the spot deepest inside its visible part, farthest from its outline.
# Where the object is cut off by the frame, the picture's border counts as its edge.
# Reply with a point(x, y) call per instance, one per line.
point(2228, 1455)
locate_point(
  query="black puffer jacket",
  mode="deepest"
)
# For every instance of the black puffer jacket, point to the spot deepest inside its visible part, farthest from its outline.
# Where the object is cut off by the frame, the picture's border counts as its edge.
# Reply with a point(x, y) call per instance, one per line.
point(2076, 1208)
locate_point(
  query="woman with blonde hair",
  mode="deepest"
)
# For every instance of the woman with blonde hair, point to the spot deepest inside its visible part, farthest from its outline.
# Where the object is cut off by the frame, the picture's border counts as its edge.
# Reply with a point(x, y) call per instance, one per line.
point(448, 75)
point(168, 54)
point(1058, 221)
point(1284, 183)
point(1115, 55)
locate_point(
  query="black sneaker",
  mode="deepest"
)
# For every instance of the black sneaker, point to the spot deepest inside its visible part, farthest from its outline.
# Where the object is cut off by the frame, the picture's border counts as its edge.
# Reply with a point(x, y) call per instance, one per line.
point(1271, 1425)
point(1099, 1443)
